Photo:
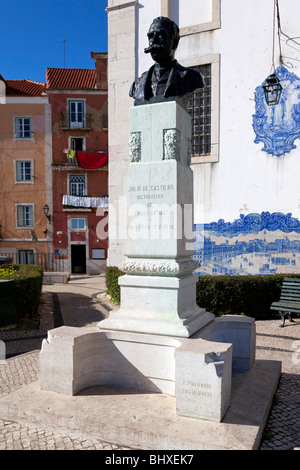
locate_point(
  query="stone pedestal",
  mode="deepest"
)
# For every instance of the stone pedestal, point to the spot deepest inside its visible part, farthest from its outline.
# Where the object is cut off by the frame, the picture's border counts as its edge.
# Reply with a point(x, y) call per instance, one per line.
point(196, 370)
point(158, 292)
point(158, 305)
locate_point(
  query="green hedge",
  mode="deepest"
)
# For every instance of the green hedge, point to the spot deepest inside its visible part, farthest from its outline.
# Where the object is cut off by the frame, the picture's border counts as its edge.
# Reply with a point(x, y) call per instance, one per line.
point(28, 280)
point(112, 287)
point(221, 295)
point(248, 295)
point(8, 307)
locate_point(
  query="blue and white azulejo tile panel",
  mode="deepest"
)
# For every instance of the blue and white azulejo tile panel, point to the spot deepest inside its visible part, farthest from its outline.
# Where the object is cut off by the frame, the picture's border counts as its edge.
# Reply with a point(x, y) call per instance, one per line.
point(278, 127)
point(266, 243)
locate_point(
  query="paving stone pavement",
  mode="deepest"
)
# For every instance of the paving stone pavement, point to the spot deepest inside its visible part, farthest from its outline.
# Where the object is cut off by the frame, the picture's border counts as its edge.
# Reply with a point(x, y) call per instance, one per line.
point(282, 431)
point(77, 304)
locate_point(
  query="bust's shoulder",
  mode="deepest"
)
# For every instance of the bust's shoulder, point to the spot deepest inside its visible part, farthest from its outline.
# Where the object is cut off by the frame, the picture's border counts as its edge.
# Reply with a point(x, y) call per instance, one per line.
point(142, 77)
point(139, 84)
point(191, 75)
point(186, 70)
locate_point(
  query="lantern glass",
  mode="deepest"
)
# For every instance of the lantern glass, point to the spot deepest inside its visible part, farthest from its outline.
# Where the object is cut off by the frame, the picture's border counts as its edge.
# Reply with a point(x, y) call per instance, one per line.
point(272, 90)
point(46, 209)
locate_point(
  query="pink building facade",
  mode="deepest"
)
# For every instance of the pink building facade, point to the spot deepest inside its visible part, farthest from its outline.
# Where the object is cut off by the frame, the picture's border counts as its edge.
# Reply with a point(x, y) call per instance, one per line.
point(78, 100)
point(25, 162)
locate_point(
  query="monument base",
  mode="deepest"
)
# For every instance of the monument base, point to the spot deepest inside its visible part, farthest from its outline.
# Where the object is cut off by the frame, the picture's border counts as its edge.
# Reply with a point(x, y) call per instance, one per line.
point(160, 340)
point(159, 305)
point(196, 370)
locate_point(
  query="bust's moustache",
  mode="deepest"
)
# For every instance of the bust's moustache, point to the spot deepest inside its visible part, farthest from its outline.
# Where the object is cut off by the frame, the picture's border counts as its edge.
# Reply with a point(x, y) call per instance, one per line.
point(153, 47)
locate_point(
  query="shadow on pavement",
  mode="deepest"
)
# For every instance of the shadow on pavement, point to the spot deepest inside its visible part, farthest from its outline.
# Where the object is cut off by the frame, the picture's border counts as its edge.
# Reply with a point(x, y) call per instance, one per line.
point(75, 310)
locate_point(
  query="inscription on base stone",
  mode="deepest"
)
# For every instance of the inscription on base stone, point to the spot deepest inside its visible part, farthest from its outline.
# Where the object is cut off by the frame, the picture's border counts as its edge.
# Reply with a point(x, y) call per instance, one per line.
point(149, 211)
point(196, 388)
point(154, 191)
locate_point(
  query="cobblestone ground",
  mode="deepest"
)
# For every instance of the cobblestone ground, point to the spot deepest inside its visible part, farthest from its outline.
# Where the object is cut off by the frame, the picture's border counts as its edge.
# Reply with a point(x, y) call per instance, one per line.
point(19, 371)
point(282, 431)
point(16, 437)
point(283, 428)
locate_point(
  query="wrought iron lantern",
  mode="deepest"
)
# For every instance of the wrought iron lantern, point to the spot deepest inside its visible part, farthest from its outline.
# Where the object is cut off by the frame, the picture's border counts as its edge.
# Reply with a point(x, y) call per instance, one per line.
point(46, 212)
point(272, 90)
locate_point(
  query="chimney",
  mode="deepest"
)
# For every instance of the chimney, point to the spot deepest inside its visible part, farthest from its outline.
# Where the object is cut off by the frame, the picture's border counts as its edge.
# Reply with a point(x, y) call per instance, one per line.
point(101, 69)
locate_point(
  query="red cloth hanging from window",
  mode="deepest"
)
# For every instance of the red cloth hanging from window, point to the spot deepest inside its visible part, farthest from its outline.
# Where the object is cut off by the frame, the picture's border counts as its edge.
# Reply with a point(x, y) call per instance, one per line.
point(91, 160)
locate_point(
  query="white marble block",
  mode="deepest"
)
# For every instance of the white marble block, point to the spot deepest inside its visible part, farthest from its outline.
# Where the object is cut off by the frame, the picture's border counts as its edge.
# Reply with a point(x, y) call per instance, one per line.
point(158, 305)
point(197, 372)
point(240, 331)
point(203, 379)
point(159, 183)
point(72, 359)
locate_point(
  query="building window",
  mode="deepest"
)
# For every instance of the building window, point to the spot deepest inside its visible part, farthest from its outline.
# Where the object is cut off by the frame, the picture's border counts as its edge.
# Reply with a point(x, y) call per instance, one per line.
point(76, 114)
point(24, 215)
point(98, 253)
point(77, 185)
point(77, 144)
point(26, 257)
point(24, 171)
point(77, 223)
point(22, 127)
point(199, 107)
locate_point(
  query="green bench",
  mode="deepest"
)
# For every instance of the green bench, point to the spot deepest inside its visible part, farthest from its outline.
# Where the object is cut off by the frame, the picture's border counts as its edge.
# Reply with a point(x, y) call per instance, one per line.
point(289, 301)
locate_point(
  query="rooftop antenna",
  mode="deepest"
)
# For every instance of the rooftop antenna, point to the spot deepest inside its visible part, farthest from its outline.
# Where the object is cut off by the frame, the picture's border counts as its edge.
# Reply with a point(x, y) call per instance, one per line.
point(64, 43)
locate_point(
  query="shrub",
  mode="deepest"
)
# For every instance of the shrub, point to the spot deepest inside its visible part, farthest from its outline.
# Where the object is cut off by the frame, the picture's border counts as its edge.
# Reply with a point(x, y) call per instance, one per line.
point(112, 287)
point(250, 295)
point(8, 307)
point(28, 286)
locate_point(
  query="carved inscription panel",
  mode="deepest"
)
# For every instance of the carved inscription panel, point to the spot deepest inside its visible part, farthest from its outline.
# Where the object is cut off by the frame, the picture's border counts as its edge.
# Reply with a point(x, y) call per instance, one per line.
point(150, 213)
point(197, 389)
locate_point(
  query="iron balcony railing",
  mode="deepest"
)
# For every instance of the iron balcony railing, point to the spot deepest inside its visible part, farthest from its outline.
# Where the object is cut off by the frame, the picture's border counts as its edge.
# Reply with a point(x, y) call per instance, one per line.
point(71, 161)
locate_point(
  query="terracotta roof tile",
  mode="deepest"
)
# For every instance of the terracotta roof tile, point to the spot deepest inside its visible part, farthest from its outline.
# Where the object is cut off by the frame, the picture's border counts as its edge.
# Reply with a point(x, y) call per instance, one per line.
point(24, 88)
point(71, 78)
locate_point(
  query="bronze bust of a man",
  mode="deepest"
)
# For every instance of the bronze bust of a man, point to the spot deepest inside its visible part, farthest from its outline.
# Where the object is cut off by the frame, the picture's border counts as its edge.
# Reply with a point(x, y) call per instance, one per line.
point(166, 79)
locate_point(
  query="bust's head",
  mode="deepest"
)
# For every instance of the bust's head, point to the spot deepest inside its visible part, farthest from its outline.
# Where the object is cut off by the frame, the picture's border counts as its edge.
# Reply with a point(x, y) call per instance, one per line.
point(163, 37)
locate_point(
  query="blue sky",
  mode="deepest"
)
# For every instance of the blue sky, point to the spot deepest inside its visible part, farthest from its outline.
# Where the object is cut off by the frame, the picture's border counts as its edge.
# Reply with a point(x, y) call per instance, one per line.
point(32, 34)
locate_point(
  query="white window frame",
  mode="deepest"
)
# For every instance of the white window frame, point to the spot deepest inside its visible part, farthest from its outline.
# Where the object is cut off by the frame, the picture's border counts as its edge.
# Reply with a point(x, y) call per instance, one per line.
point(77, 124)
point(16, 137)
point(214, 61)
point(24, 181)
point(76, 229)
point(215, 22)
point(28, 253)
point(22, 227)
point(69, 184)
